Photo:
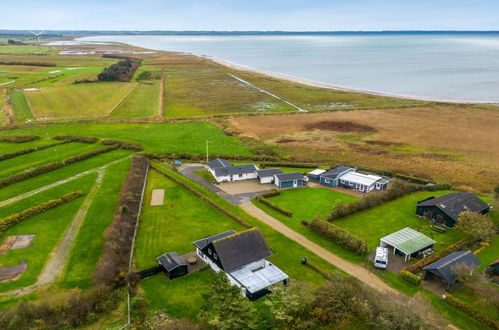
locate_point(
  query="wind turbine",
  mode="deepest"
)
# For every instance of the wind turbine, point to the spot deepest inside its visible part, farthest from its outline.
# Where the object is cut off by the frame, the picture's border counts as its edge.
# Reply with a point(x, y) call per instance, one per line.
point(37, 36)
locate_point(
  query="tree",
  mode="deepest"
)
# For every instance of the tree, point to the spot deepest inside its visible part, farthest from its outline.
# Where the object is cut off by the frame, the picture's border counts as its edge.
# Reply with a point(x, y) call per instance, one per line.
point(226, 308)
point(466, 273)
point(477, 225)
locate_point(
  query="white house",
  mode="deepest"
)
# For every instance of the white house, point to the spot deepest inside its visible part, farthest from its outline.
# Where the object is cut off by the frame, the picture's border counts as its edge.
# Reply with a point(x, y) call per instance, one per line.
point(267, 176)
point(241, 256)
point(362, 182)
point(223, 171)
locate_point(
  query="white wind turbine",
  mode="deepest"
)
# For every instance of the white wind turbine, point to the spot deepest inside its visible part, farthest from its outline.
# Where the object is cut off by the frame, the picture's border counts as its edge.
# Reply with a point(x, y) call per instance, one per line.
point(37, 36)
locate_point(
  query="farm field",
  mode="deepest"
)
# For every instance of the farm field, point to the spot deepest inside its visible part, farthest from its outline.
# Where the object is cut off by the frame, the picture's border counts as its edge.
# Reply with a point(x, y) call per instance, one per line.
point(142, 102)
point(181, 137)
point(20, 106)
point(78, 101)
point(6, 147)
point(24, 49)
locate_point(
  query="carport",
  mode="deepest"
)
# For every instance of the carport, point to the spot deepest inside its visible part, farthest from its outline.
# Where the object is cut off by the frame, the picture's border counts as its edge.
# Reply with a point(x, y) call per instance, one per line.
point(407, 242)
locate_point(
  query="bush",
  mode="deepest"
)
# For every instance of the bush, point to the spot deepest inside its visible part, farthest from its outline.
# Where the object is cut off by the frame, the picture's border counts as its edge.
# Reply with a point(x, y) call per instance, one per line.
point(123, 145)
point(410, 277)
point(19, 138)
point(11, 220)
point(113, 265)
point(30, 150)
point(470, 311)
point(121, 71)
point(338, 236)
point(87, 155)
point(202, 157)
point(273, 206)
point(74, 138)
point(288, 164)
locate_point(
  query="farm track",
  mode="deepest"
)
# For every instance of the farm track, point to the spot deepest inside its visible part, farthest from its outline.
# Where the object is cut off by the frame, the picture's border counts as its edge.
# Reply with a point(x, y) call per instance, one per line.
point(161, 103)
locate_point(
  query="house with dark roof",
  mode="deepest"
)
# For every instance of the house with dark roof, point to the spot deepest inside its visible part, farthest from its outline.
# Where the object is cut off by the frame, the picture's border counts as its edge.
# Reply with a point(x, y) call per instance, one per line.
point(289, 180)
point(241, 256)
point(443, 268)
point(348, 177)
point(267, 175)
point(330, 177)
point(223, 171)
point(446, 209)
point(173, 265)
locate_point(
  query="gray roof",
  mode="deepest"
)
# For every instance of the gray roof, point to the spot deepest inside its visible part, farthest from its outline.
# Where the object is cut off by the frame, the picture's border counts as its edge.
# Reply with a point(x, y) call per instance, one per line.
point(333, 173)
point(383, 180)
point(240, 249)
point(171, 260)
point(454, 203)
point(268, 172)
point(443, 267)
point(235, 170)
point(218, 162)
point(258, 279)
point(202, 243)
point(291, 176)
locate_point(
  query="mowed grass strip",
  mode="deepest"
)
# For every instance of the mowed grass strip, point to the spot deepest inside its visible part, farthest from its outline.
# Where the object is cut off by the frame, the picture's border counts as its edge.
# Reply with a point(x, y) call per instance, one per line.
point(142, 102)
point(45, 156)
point(89, 243)
point(178, 137)
point(48, 228)
point(78, 100)
point(7, 147)
point(20, 106)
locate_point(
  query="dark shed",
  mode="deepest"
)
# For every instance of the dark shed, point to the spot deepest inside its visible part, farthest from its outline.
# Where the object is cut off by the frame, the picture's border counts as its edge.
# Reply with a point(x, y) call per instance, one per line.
point(173, 265)
point(442, 268)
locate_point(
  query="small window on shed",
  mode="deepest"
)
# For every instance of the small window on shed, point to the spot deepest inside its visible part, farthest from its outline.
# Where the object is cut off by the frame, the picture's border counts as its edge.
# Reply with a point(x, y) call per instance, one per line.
point(215, 256)
point(209, 252)
point(326, 180)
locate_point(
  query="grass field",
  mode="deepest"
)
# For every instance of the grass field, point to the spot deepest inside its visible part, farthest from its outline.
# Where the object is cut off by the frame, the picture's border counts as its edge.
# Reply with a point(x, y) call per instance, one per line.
point(206, 175)
point(372, 224)
point(6, 147)
point(3, 106)
point(78, 101)
point(23, 49)
point(48, 227)
point(142, 102)
point(20, 106)
point(165, 137)
point(489, 254)
point(88, 244)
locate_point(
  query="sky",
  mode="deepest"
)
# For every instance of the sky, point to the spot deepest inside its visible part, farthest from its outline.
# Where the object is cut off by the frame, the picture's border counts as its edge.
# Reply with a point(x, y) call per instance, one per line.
point(250, 15)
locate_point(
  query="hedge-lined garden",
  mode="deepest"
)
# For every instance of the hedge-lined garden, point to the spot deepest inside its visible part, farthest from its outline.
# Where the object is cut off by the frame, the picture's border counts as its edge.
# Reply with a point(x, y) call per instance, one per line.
point(30, 150)
point(262, 198)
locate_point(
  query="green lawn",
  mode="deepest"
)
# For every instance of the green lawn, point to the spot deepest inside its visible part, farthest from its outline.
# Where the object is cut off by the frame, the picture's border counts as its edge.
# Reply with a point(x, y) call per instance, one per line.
point(206, 175)
point(477, 302)
point(159, 137)
point(88, 245)
point(142, 102)
point(20, 106)
point(7, 148)
point(49, 228)
point(374, 223)
point(490, 253)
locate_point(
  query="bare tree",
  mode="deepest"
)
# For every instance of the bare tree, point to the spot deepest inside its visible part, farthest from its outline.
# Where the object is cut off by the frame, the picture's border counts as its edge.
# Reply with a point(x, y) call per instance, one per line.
point(477, 225)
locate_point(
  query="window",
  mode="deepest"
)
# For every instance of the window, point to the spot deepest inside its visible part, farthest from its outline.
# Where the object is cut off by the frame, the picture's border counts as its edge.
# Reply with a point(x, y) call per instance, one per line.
point(215, 256)
point(209, 252)
point(326, 180)
point(240, 175)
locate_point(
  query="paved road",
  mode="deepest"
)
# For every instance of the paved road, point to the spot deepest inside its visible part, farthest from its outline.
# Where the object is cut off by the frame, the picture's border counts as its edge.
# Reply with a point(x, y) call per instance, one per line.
point(354, 270)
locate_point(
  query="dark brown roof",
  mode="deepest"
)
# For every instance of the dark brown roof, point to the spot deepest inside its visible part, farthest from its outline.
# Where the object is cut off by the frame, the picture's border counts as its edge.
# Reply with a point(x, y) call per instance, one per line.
point(454, 203)
point(241, 249)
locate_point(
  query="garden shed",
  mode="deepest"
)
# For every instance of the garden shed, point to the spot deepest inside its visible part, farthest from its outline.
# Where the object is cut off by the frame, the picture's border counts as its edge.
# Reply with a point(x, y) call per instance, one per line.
point(173, 265)
point(443, 268)
point(407, 242)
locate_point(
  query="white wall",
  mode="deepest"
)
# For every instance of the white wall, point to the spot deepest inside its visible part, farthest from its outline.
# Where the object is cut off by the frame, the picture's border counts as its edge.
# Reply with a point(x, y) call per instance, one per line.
point(267, 179)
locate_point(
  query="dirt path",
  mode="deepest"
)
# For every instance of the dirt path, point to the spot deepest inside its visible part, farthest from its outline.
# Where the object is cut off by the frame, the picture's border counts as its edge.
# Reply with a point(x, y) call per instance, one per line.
point(161, 103)
point(58, 183)
point(55, 266)
point(354, 270)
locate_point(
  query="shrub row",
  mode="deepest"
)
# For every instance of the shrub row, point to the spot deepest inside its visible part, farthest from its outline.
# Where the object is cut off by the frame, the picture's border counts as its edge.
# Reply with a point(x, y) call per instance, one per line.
point(273, 206)
point(416, 267)
point(123, 145)
point(27, 63)
point(396, 189)
point(203, 197)
point(288, 164)
point(11, 220)
point(30, 150)
point(470, 311)
point(19, 138)
point(338, 236)
point(202, 157)
point(410, 277)
point(29, 173)
point(390, 174)
point(113, 265)
point(272, 193)
point(75, 138)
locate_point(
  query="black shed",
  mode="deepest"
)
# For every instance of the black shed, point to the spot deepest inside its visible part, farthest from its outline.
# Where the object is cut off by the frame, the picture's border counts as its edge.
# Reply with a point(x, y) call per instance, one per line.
point(442, 268)
point(173, 265)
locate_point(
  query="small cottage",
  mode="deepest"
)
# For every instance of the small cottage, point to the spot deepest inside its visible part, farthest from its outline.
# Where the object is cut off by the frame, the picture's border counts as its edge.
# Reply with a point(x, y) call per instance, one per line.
point(267, 175)
point(173, 265)
point(446, 209)
point(348, 177)
point(330, 178)
point(289, 180)
point(224, 171)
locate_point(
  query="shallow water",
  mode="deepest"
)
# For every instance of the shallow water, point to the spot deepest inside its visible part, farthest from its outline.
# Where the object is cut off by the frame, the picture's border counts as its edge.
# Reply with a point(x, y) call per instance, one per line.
point(453, 66)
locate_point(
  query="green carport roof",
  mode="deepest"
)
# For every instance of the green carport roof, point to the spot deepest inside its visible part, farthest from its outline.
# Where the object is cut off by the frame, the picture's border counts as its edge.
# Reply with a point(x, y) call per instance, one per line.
point(408, 241)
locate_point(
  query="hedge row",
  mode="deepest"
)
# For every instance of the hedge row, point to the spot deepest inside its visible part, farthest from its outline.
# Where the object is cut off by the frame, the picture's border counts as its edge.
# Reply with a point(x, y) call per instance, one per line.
point(202, 157)
point(395, 190)
point(470, 311)
point(338, 236)
point(203, 197)
point(416, 267)
point(30, 150)
point(288, 164)
point(49, 167)
point(272, 193)
point(27, 63)
point(11, 220)
point(75, 138)
point(19, 138)
point(390, 174)
point(123, 145)
point(273, 206)
point(113, 265)
point(410, 277)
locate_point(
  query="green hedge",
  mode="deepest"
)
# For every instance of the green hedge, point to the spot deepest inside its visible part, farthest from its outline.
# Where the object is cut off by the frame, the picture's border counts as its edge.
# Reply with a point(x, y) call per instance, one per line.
point(470, 311)
point(262, 199)
point(11, 220)
point(75, 138)
point(30, 150)
point(19, 138)
point(410, 277)
point(87, 155)
point(123, 145)
point(202, 157)
point(288, 164)
point(338, 236)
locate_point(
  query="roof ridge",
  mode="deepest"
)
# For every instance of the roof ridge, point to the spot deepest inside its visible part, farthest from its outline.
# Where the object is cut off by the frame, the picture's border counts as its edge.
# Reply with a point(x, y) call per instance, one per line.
point(233, 235)
point(454, 258)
